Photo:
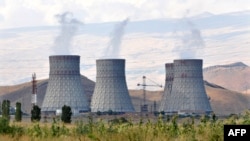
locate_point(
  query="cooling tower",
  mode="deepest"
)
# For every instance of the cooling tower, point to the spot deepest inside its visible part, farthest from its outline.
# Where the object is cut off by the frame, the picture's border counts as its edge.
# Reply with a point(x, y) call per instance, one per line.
point(169, 68)
point(111, 92)
point(64, 86)
point(188, 92)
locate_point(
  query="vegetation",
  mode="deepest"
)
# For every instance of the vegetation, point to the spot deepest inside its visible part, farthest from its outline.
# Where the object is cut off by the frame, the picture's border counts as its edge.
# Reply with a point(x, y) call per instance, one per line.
point(18, 114)
point(35, 113)
point(0, 108)
point(66, 114)
point(6, 109)
point(122, 129)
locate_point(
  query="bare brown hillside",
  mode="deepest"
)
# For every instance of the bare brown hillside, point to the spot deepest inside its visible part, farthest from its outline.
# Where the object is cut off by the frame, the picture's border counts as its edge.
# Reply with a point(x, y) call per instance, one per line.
point(9, 89)
point(226, 102)
point(22, 92)
point(234, 76)
point(223, 101)
point(151, 96)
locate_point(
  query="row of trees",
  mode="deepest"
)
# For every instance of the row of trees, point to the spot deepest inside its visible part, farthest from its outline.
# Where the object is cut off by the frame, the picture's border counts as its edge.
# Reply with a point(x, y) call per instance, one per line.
point(5, 110)
point(35, 112)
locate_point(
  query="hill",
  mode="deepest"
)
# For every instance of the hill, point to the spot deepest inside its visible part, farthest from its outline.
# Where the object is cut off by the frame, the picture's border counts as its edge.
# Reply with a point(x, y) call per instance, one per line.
point(235, 76)
point(22, 92)
point(223, 101)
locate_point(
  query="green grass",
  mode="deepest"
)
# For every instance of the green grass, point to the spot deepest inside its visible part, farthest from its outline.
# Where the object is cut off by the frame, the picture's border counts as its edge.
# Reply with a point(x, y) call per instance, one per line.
point(122, 129)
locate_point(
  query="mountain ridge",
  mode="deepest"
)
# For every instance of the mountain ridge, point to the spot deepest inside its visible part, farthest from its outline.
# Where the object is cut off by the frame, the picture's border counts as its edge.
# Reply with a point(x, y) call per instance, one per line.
point(234, 76)
point(231, 65)
point(217, 94)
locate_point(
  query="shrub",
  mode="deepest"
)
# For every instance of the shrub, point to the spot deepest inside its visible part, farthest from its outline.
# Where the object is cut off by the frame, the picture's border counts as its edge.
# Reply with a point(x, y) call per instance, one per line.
point(66, 114)
point(18, 114)
point(4, 125)
point(110, 112)
point(98, 113)
point(35, 113)
point(6, 109)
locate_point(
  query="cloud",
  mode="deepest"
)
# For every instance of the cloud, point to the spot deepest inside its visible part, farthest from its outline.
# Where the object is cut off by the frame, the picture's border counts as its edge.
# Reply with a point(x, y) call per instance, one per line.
point(16, 14)
point(39, 12)
point(2, 3)
point(1, 18)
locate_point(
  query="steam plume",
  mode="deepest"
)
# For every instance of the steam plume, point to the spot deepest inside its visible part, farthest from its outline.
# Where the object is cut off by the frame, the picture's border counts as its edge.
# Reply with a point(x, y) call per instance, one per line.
point(113, 49)
point(191, 42)
point(69, 26)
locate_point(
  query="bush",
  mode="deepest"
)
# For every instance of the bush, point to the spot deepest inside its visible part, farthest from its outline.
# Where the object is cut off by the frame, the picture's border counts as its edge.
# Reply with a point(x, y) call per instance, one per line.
point(110, 112)
point(119, 120)
point(4, 125)
point(98, 113)
point(18, 114)
point(66, 114)
point(35, 113)
point(6, 109)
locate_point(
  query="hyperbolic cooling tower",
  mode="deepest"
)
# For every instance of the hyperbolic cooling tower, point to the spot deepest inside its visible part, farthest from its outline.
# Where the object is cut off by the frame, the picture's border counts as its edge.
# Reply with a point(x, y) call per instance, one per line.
point(188, 92)
point(65, 86)
point(169, 68)
point(111, 92)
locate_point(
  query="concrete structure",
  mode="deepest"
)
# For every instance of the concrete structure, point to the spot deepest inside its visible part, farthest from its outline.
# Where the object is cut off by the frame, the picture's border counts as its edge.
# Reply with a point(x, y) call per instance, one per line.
point(188, 95)
point(169, 68)
point(111, 92)
point(65, 86)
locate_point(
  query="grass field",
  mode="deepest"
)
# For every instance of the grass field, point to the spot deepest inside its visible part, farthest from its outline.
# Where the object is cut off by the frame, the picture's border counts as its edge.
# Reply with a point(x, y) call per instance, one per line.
point(119, 128)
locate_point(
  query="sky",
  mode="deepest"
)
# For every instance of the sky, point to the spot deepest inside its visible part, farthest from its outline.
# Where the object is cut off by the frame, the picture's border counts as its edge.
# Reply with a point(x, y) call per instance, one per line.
point(145, 53)
point(25, 13)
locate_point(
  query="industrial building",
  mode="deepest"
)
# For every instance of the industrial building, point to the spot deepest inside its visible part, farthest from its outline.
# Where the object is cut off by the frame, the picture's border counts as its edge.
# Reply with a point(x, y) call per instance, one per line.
point(169, 68)
point(64, 86)
point(111, 92)
point(187, 95)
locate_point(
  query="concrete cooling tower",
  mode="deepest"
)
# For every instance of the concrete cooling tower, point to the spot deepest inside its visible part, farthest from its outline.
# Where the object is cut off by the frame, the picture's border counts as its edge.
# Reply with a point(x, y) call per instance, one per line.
point(169, 68)
point(111, 92)
point(188, 92)
point(64, 86)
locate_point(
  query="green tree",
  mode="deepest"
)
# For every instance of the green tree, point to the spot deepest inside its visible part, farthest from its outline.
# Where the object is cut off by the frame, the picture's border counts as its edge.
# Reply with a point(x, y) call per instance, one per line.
point(0, 108)
point(18, 114)
point(110, 112)
point(98, 113)
point(66, 114)
point(35, 113)
point(6, 109)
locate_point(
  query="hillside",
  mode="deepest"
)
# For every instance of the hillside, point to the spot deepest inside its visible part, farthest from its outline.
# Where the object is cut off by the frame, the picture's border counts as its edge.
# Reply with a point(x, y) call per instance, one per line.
point(22, 92)
point(223, 101)
point(234, 76)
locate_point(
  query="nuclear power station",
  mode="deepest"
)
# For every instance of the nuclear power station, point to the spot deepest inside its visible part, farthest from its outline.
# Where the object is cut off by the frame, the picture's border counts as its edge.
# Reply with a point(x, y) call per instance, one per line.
point(111, 92)
point(64, 86)
point(184, 89)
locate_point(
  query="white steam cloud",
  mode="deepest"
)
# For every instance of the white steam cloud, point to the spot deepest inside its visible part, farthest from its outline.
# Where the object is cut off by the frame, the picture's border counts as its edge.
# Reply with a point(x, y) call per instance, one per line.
point(69, 27)
point(113, 49)
point(191, 42)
